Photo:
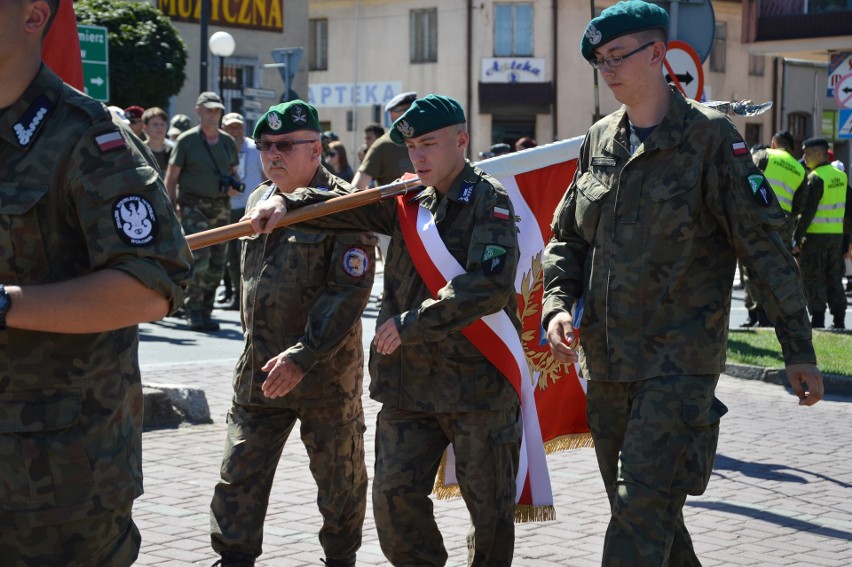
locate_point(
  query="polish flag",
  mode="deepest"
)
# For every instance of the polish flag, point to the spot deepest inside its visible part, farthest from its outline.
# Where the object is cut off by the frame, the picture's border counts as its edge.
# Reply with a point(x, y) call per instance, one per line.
point(553, 395)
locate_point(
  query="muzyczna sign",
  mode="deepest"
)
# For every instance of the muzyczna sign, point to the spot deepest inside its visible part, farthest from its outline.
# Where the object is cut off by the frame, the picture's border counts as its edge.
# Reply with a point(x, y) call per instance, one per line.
point(266, 15)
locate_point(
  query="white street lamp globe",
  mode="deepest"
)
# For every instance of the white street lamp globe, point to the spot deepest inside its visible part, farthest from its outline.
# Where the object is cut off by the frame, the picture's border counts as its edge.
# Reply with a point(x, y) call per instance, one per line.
point(222, 44)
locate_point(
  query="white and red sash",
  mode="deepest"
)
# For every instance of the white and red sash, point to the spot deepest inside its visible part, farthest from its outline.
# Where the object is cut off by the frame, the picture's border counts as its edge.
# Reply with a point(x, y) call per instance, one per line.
point(497, 339)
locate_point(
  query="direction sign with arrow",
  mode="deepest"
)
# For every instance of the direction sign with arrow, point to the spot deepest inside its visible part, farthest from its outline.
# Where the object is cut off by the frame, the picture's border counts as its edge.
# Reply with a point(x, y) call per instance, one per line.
point(94, 51)
point(682, 67)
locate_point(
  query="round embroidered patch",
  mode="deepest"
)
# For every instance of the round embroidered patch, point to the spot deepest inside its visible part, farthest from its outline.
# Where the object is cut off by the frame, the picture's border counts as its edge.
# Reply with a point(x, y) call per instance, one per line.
point(356, 263)
point(135, 220)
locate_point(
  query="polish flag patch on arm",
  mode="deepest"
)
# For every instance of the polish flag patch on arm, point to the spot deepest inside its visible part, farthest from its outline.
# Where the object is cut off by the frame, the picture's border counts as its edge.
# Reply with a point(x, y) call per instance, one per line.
point(739, 148)
point(500, 213)
point(110, 141)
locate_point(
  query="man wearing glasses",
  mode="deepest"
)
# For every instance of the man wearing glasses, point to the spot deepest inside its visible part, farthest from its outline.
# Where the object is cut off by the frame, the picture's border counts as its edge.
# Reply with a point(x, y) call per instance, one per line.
point(664, 201)
point(302, 296)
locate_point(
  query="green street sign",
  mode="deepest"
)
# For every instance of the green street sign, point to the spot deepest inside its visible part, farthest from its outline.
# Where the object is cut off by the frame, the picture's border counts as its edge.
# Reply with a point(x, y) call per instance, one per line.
point(94, 51)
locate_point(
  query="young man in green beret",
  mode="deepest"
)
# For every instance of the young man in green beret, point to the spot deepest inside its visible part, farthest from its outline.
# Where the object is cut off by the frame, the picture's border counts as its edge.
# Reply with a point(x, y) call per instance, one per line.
point(435, 386)
point(664, 201)
point(302, 296)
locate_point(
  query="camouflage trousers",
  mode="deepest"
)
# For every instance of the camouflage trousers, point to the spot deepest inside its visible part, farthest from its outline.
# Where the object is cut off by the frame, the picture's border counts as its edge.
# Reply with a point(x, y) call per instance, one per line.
point(105, 539)
point(196, 215)
point(232, 257)
point(655, 442)
point(409, 446)
point(821, 265)
point(334, 439)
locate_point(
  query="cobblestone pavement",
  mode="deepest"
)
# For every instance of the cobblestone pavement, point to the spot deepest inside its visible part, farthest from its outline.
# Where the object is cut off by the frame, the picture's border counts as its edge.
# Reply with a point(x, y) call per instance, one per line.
point(781, 492)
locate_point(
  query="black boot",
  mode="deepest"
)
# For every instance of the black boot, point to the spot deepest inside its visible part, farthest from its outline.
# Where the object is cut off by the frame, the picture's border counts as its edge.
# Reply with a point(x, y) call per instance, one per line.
point(209, 323)
point(339, 562)
point(751, 321)
point(818, 321)
point(763, 318)
point(839, 323)
point(195, 321)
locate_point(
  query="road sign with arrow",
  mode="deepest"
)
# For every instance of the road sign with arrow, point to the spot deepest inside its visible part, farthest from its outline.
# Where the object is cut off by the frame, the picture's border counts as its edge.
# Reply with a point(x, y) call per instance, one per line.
point(94, 51)
point(682, 68)
point(843, 91)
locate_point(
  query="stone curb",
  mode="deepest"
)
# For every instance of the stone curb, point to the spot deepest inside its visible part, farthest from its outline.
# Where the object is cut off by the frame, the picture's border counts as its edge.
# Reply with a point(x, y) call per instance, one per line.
point(835, 384)
point(169, 405)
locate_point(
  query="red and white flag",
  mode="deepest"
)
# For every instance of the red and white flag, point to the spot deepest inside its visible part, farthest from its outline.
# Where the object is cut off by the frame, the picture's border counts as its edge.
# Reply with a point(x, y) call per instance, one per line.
point(553, 395)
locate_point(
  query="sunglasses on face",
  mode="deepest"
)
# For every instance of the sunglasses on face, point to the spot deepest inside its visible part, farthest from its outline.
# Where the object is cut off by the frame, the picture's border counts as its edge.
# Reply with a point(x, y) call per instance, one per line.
point(283, 146)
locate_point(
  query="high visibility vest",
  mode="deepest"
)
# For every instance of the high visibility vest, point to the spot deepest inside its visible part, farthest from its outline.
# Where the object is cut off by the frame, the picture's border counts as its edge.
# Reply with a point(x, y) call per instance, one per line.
point(784, 175)
point(832, 206)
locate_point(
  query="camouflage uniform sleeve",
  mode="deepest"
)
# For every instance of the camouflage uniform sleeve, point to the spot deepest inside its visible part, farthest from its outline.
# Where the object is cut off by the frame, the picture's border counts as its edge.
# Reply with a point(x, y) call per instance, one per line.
point(746, 208)
point(122, 208)
point(339, 307)
point(486, 285)
point(565, 254)
point(812, 189)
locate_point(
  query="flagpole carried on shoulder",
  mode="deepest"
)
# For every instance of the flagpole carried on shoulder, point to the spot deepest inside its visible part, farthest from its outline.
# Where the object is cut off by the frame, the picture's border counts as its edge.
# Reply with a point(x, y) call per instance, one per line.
point(335, 205)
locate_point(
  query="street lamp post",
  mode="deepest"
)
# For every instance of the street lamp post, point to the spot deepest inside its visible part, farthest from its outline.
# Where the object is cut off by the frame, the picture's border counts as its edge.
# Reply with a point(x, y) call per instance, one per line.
point(222, 45)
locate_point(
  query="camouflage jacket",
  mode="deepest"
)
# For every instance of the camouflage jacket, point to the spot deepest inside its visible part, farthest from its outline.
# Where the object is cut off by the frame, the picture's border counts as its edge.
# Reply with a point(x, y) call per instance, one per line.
point(651, 240)
point(76, 196)
point(437, 369)
point(303, 293)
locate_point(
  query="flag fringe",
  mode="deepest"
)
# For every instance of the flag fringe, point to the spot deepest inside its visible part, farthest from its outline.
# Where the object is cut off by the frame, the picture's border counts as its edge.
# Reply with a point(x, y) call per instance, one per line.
point(444, 491)
point(525, 513)
point(569, 442)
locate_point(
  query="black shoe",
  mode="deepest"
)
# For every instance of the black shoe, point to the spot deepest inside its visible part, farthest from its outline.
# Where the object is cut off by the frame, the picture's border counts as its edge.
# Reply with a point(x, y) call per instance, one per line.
point(818, 321)
point(338, 562)
point(230, 305)
point(225, 296)
point(839, 324)
point(763, 318)
point(751, 321)
point(195, 321)
point(238, 561)
point(209, 323)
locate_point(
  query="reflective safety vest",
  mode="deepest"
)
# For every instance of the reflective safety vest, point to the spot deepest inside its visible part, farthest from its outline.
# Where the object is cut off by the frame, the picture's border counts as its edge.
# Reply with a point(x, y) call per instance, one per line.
point(832, 206)
point(784, 175)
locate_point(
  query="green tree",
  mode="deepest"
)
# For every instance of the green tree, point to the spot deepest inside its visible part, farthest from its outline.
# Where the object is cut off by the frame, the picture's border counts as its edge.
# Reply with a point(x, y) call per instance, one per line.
point(147, 57)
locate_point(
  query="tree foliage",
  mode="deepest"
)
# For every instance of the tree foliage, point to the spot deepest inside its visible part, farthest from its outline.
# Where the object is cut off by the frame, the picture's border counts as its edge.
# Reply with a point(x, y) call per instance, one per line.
point(147, 57)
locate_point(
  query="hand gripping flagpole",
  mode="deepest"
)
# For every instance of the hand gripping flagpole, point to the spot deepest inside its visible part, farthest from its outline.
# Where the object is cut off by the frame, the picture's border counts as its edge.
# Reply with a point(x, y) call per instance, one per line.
point(334, 205)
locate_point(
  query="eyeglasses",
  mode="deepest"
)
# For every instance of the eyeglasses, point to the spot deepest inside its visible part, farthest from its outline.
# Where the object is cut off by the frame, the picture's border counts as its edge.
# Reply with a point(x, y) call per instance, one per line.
point(283, 146)
point(617, 60)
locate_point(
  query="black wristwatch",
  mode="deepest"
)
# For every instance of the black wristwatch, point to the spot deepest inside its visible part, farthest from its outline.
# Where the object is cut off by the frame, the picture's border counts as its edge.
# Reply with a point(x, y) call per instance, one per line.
point(5, 305)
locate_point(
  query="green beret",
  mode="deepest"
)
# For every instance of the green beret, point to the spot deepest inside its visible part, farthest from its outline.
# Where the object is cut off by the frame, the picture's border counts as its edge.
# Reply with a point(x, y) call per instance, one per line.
point(621, 19)
point(287, 117)
point(427, 114)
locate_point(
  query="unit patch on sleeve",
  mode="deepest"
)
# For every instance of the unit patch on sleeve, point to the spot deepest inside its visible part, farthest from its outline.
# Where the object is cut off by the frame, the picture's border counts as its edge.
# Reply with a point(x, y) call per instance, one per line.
point(760, 189)
point(493, 259)
point(739, 148)
point(135, 220)
point(500, 213)
point(355, 262)
point(466, 193)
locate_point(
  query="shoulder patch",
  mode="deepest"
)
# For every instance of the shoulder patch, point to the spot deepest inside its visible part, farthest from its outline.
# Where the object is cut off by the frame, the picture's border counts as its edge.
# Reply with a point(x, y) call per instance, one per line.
point(760, 189)
point(604, 161)
point(493, 259)
point(500, 213)
point(135, 220)
point(739, 148)
point(32, 120)
point(110, 141)
point(356, 263)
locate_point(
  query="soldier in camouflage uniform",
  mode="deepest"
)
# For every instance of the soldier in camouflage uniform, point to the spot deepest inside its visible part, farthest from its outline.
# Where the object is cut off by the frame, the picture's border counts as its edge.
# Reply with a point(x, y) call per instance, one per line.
point(664, 200)
point(435, 387)
point(203, 159)
point(90, 247)
point(302, 296)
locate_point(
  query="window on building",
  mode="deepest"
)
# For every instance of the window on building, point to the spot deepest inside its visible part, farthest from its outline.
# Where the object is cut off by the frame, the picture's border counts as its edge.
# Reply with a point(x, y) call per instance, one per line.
point(424, 35)
point(717, 55)
point(756, 65)
point(753, 134)
point(513, 29)
point(318, 44)
point(799, 125)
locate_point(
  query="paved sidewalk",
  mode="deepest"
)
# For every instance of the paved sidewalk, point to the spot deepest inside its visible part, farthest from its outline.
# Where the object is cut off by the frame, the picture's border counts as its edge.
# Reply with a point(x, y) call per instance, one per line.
point(781, 493)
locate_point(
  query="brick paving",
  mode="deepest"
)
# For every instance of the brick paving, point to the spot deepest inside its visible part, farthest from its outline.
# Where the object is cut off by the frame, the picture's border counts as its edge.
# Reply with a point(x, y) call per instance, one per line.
point(781, 492)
